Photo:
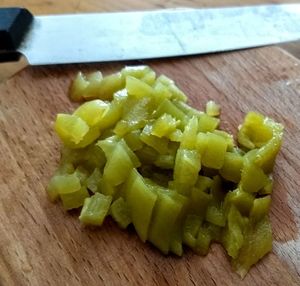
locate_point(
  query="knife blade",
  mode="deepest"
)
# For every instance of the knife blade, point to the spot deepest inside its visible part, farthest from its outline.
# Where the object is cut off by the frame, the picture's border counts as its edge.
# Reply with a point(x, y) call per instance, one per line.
point(103, 37)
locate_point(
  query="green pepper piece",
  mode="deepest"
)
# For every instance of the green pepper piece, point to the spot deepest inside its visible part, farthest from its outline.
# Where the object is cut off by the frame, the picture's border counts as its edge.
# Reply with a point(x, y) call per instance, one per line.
point(164, 125)
point(233, 237)
point(158, 144)
point(257, 243)
point(133, 140)
point(187, 167)
point(207, 123)
point(93, 181)
point(241, 199)
point(232, 167)
point(92, 111)
point(190, 229)
point(138, 88)
point(199, 201)
point(168, 107)
point(214, 154)
point(163, 221)
point(74, 200)
point(104, 88)
point(203, 240)
point(70, 128)
point(95, 209)
point(120, 212)
point(60, 184)
point(189, 135)
point(253, 178)
point(118, 166)
point(260, 208)
point(215, 214)
point(78, 87)
point(137, 71)
point(141, 201)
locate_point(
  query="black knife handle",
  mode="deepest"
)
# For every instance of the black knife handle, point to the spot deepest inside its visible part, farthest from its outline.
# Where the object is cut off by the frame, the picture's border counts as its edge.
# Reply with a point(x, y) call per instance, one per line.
point(14, 23)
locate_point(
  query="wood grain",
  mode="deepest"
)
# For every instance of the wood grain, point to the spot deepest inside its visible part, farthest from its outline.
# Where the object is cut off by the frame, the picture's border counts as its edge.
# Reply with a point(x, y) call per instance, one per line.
point(72, 6)
point(40, 244)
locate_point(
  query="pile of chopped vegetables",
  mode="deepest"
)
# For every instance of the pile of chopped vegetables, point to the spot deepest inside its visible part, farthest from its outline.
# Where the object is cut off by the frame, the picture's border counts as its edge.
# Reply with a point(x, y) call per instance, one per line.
point(136, 151)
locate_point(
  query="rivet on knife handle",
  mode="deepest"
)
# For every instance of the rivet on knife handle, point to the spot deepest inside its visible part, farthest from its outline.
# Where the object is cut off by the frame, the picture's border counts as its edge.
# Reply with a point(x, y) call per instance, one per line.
point(14, 23)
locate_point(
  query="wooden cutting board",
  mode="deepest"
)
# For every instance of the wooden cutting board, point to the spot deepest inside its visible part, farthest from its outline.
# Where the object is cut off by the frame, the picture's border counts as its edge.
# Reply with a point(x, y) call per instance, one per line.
point(40, 244)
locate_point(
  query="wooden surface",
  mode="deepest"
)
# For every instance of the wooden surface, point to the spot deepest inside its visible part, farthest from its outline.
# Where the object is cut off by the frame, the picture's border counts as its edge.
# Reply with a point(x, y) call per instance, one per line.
point(40, 244)
point(72, 6)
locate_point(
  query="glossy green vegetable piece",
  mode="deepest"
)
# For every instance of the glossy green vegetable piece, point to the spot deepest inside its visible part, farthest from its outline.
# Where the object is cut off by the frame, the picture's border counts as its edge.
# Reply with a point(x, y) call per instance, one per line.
point(161, 92)
point(232, 167)
point(190, 230)
point(249, 172)
point(189, 135)
point(176, 241)
point(258, 242)
point(95, 209)
point(89, 157)
point(207, 123)
point(165, 161)
point(92, 111)
point(164, 125)
point(167, 107)
point(141, 201)
point(60, 184)
point(107, 188)
point(187, 109)
point(120, 212)
point(118, 166)
point(74, 200)
point(133, 140)
point(104, 88)
point(212, 109)
point(114, 111)
point(187, 167)
point(266, 155)
point(158, 144)
point(199, 201)
point(242, 200)
point(138, 88)
point(143, 73)
point(229, 139)
point(215, 214)
point(203, 240)
point(268, 188)
point(176, 93)
point(93, 181)
point(70, 128)
point(260, 209)
point(175, 136)
point(163, 221)
point(204, 183)
point(82, 174)
point(254, 132)
point(78, 87)
point(214, 154)
point(233, 237)
point(94, 76)
point(134, 117)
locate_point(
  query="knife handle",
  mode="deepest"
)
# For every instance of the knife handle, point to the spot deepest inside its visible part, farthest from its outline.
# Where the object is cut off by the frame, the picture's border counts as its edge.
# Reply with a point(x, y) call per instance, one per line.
point(14, 23)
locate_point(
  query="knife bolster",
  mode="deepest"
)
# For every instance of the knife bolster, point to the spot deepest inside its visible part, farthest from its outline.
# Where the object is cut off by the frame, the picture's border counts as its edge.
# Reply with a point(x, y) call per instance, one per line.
point(14, 23)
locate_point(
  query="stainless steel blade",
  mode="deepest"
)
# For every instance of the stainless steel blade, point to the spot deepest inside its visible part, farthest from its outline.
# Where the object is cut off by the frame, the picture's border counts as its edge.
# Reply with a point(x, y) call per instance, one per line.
point(102, 37)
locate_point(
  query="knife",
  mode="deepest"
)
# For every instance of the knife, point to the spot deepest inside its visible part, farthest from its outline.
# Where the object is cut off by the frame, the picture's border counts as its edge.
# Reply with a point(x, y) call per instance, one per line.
point(103, 37)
